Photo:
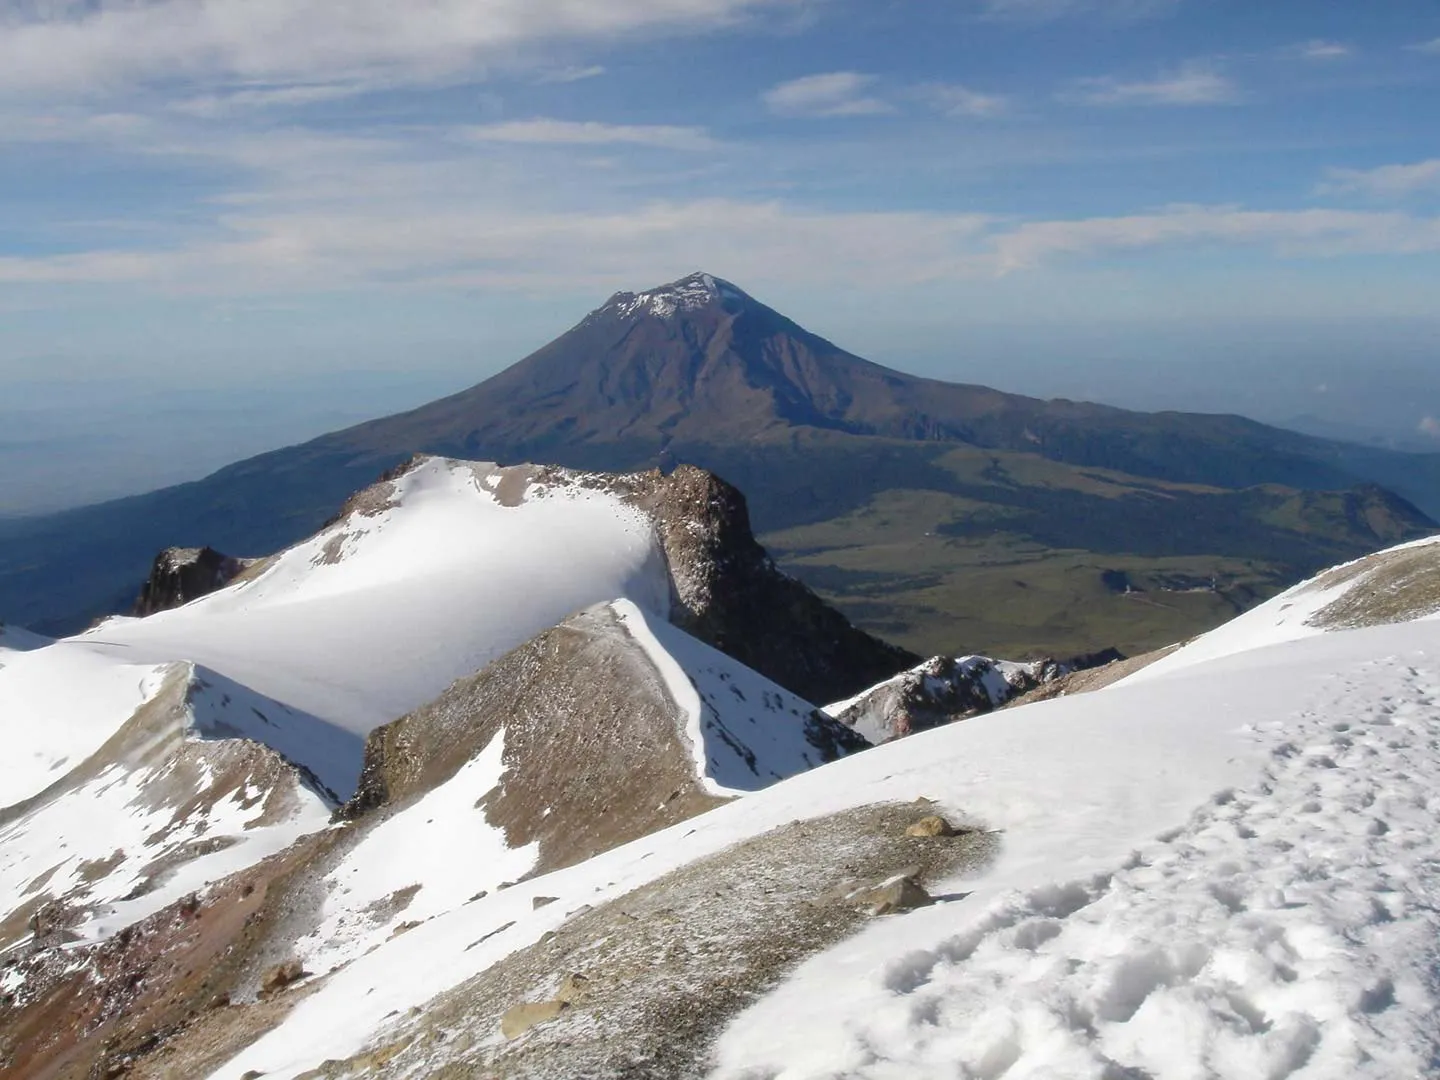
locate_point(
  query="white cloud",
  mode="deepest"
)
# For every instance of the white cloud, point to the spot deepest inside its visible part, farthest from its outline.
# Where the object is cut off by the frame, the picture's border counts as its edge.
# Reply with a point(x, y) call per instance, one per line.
point(548, 132)
point(460, 246)
point(1430, 426)
point(404, 226)
point(95, 46)
point(1319, 50)
point(1432, 46)
point(1193, 84)
point(1385, 181)
point(211, 106)
point(572, 74)
point(835, 93)
point(1312, 233)
point(952, 99)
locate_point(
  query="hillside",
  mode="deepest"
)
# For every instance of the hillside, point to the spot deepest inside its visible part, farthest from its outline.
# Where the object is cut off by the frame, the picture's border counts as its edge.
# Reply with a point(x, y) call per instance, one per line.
point(420, 658)
point(1231, 845)
point(950, 518)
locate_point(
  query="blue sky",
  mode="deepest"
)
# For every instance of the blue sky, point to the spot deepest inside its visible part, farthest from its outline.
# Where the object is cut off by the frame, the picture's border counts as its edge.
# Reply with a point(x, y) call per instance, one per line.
point(359, 204)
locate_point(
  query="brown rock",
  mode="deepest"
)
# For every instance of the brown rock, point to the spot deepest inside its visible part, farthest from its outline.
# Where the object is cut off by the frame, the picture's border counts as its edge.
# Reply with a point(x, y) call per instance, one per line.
point(521, 1018)
point(930, 825)
point(892, 897)
point(573, 989)
point(281, 976)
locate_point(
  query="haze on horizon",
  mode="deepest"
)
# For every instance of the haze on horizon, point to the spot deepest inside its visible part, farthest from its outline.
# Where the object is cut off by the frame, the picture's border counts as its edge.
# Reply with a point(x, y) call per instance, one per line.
point(231, 226)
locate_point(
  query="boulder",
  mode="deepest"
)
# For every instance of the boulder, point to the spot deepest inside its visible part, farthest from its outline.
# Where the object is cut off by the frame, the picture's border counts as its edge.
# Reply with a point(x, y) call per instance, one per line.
point(930, 825)
point(280, 976)
point(898, 894)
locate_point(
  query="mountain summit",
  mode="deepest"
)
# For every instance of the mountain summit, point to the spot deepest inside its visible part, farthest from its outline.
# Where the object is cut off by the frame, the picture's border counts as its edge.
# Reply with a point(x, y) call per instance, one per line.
point(695, 361)
point(698, 290)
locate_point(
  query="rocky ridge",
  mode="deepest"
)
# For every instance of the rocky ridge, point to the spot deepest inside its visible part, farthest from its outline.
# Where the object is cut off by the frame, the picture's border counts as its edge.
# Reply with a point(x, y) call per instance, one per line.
point(180, 575)
point(945, 689)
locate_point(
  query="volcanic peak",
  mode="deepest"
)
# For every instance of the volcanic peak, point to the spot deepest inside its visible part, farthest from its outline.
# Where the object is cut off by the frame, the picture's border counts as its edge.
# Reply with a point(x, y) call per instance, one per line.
point(696, 291)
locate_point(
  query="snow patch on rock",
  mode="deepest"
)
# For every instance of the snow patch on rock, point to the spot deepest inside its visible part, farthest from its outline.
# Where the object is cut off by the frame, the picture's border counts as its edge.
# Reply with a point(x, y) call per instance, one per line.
point(744, 732)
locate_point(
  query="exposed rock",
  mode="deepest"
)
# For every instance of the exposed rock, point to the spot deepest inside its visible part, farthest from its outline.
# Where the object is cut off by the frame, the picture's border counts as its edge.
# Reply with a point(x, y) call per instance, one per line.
point(521, 1018)
point(945, 688)
point(931, 825)
point(731, 595)
point(180, 575)
point(892, 897)
point(541, 901)
point(573, 989)
point(53, 924)
point(282, 975)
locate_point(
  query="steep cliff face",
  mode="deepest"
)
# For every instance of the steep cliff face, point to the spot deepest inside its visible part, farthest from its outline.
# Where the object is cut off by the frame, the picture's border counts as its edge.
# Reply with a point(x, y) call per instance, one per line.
point(180, 575)
point(731, 595)
point(726, 590)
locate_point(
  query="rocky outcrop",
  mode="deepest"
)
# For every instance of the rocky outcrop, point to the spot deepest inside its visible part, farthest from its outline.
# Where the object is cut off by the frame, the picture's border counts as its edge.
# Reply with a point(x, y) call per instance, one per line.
point(946, 688)
point(731, 595)
point(728, 592)
point(180, 575)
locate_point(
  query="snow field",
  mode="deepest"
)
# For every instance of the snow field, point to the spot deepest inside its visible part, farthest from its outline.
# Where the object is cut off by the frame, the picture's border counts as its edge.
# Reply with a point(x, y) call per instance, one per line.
point(1281, 618)
point(378, 614)
point(1287, 928)
point(1046, 774)
point(59, 702)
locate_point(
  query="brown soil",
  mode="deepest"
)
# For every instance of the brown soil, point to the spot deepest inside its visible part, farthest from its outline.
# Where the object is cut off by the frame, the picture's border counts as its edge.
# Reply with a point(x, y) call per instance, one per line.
point(162, 984)
point(1391, 587)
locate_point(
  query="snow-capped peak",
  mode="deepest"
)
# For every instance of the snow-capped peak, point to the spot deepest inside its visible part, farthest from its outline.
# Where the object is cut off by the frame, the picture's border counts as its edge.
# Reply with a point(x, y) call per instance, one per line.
point(698, 290)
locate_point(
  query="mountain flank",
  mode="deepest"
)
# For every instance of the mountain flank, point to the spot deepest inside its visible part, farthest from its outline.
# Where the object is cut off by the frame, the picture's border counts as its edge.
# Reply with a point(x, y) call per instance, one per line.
point(951, 518)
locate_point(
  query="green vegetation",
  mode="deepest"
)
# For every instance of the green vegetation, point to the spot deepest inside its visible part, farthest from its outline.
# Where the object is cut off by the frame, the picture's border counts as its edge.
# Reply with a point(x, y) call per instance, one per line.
point(1015, 555)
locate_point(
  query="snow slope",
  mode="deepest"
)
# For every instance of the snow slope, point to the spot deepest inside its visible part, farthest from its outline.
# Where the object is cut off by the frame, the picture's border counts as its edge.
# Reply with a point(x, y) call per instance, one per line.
point(380, 612)
point(173, 802)
point(1227, 871)
point(58, 703)
point(428, 859)
point(1290, 616)
point(17, 639)
point(744, 732)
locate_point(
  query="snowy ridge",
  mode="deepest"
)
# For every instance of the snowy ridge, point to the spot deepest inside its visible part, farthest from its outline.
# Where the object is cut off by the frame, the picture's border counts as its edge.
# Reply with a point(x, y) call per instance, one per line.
point(744, 732)
point(59, 702)
point(426, 580)
point(174, 800)
point(17, 639)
